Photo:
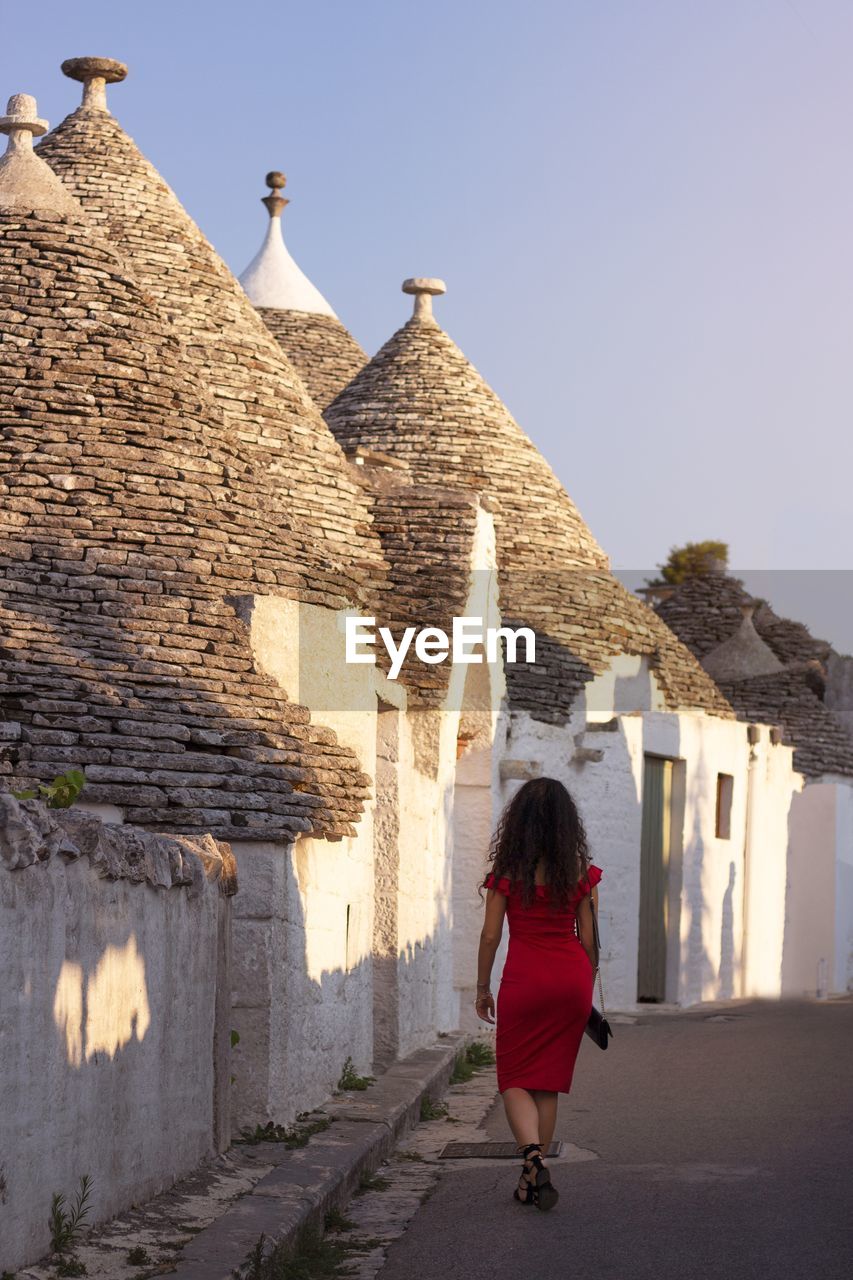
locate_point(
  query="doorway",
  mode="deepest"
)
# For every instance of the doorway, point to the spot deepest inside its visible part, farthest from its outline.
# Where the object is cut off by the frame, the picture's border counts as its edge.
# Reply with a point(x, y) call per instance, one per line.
point(655, 861)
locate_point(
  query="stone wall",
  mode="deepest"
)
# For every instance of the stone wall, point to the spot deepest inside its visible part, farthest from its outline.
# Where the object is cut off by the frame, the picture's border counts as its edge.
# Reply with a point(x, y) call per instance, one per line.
point(114, 1013)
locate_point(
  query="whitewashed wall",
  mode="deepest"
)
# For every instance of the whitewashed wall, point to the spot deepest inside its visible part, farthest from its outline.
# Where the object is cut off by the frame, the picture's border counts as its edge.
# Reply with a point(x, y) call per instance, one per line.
point(303, 921)
point(773, 794)
point(621, 716)
point(114, 1014)
point(818, 953)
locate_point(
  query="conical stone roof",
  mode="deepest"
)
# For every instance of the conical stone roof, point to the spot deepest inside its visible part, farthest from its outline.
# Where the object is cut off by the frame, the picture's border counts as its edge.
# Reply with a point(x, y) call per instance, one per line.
point(705, 609)
point(125, 529)
point(322, 351)
point(743, 655)
point(268, 412)
point(421, 401)
point(769, 668)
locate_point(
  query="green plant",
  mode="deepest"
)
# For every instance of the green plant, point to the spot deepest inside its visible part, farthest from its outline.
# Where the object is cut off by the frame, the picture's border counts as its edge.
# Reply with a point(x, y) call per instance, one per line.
point(431, 1110)
point(296, 1135)
point(138, 1256)
point(480, 1054)
point(463, 1070)
point(311, 1258)
point(470, 1060)
point(235, 1038)
point(66, 1221)
point(693, 560)
point(71, 1266)
point(350, 1079)
point(409, 1155)
point(336, 1221)
point(58, 794)
point(372, 1182)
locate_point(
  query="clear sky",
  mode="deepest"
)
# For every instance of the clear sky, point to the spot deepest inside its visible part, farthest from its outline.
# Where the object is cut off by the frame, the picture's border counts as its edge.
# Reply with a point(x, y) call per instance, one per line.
point(643, 210)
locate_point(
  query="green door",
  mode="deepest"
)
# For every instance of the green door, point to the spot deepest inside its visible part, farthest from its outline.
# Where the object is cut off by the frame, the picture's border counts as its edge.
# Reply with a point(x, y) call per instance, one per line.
point(654, 868)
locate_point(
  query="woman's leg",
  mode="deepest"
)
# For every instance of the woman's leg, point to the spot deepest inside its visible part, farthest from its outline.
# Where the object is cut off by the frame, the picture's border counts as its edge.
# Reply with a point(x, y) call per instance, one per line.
point(546, 1107)
point(522, 1114)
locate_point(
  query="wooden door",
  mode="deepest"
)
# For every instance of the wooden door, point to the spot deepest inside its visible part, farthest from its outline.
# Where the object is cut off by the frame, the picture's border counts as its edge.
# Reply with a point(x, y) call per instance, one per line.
point(654, 872)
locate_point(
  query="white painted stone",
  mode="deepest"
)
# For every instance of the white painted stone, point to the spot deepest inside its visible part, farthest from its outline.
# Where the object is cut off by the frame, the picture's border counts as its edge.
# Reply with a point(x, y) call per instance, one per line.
point(272, 278)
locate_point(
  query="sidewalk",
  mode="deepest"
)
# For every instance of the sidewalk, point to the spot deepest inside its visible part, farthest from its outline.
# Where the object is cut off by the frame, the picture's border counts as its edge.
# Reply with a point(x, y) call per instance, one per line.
point(204, 1227)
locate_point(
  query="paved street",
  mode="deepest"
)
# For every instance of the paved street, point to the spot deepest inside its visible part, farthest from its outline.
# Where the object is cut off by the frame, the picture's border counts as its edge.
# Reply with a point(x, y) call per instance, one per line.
point(707, 1148)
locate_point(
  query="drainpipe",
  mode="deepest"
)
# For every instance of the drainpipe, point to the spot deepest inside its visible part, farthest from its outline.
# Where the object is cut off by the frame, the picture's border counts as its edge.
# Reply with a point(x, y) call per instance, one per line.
point(753, 737)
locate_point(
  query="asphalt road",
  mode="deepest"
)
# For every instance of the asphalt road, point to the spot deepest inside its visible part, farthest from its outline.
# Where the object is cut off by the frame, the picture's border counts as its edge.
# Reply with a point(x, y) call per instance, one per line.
point(723, 1149)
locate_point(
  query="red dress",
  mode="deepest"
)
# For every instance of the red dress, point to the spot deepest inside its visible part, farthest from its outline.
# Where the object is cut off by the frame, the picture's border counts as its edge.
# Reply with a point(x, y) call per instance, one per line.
point(545, 993)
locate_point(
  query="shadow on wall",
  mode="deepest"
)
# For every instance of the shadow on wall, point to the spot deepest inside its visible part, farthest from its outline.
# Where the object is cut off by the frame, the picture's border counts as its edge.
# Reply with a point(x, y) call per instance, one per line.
point(304, 973)
point(727, 939)
point(701, 977)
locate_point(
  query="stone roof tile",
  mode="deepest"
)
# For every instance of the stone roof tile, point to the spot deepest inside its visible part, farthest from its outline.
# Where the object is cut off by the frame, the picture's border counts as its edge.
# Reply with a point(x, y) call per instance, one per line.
point(428, 534)
point(128, 518)
point(324, 354)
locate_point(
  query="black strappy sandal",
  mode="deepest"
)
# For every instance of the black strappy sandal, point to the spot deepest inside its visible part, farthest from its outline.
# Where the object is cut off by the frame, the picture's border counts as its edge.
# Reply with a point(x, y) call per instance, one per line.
point(529, 1196)
point(541, 1190)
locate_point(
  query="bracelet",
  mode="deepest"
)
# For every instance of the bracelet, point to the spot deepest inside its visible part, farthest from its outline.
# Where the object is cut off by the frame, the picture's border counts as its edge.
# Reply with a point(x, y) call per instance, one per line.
point(484, 986)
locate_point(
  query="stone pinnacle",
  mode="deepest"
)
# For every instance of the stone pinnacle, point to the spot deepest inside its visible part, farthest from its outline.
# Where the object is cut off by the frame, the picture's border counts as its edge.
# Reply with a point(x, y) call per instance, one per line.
point(21, 122)
point(275, 202)
point(95, 74)
point(424, 290)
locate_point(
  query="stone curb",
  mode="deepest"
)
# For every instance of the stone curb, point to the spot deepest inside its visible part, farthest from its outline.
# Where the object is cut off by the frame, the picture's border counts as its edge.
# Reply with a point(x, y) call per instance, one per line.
point(311, 1180)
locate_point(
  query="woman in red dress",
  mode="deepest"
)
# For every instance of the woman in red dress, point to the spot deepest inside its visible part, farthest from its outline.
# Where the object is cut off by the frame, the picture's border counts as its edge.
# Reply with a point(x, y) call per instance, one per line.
point(541, 880)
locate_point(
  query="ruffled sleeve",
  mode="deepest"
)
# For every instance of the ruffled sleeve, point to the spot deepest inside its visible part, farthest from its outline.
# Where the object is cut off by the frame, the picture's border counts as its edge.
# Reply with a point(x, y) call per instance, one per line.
point(593, 876)
point(502, 885)
point(590, 880)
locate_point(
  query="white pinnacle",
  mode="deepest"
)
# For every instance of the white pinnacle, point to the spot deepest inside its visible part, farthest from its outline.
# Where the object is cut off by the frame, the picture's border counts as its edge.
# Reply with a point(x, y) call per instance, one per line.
point(272, 279)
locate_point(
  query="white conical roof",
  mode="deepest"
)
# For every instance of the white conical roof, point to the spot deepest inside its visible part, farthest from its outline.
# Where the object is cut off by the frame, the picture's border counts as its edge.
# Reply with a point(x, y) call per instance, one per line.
point(272, 278)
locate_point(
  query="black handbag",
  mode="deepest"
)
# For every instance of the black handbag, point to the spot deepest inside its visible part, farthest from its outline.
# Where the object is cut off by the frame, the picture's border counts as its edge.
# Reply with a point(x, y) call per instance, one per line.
point(597, 1027)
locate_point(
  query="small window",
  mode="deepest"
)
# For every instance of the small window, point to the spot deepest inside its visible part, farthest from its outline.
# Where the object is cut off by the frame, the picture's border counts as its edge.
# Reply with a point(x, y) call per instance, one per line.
point(725, 787)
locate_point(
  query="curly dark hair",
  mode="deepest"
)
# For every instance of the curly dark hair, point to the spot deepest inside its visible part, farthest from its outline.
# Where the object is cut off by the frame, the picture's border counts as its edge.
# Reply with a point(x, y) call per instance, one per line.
point(541, 823)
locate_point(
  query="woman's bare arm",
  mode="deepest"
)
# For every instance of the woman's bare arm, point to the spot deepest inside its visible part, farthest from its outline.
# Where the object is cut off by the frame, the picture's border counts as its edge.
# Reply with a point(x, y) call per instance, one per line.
point(585, 923)
point(490, 938)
